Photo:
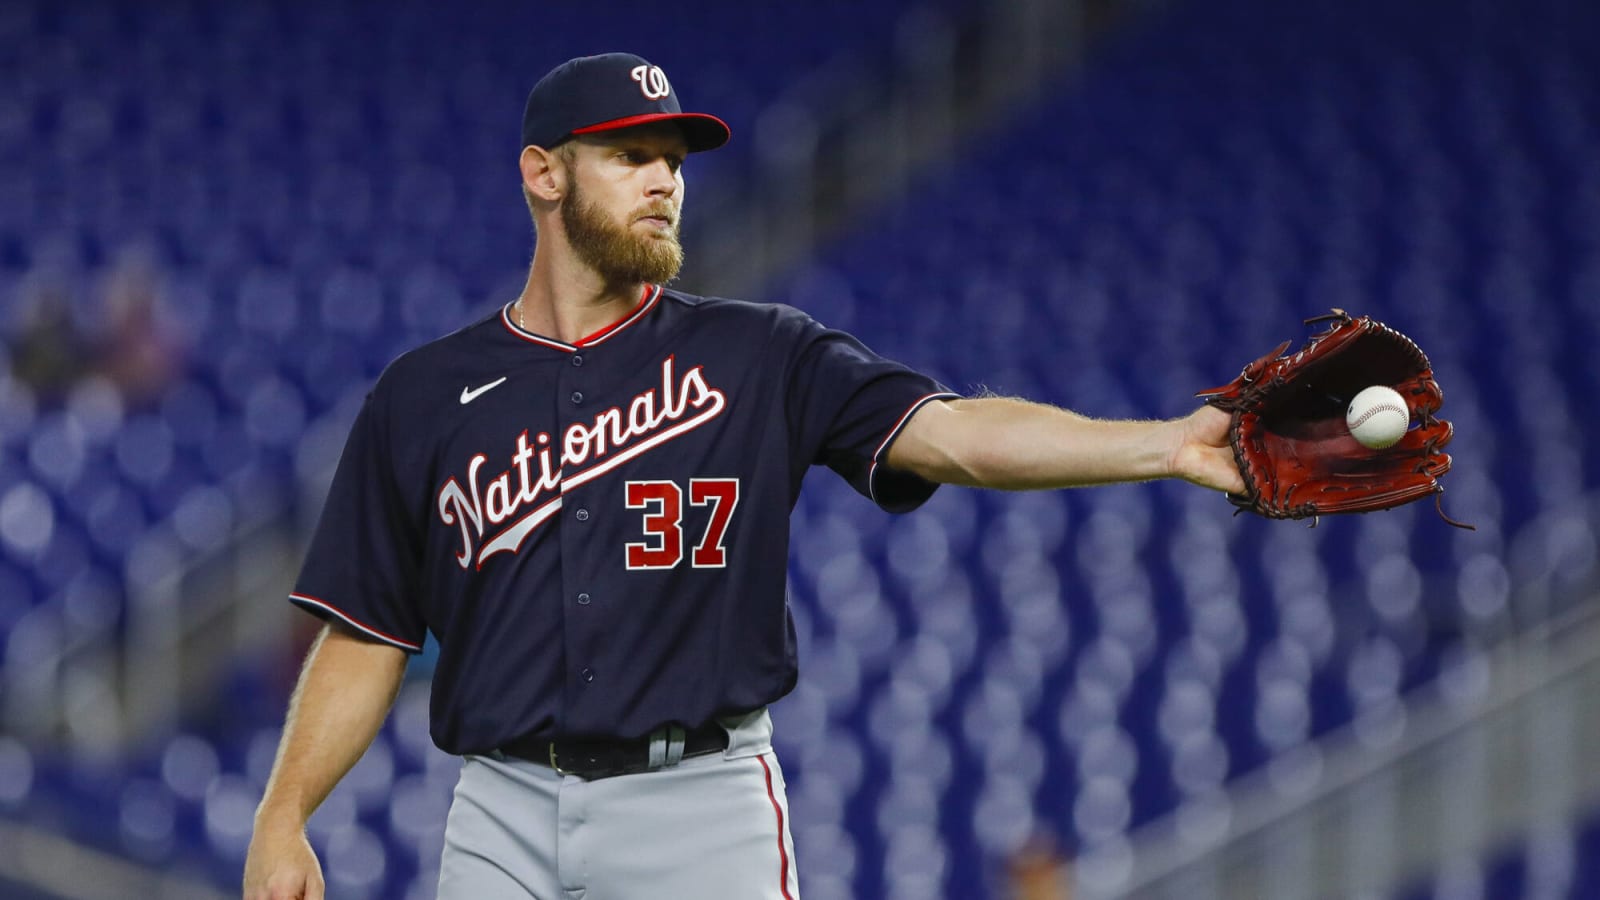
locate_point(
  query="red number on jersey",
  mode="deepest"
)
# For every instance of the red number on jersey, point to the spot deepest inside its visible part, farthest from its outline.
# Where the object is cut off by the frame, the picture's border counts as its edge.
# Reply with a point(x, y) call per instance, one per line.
point(723, 495)
point(664, 523)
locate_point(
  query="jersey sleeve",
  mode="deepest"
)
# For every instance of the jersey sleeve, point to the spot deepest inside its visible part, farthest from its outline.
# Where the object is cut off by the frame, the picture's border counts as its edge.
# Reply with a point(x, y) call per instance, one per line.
point(363, 560)
point(847, 405)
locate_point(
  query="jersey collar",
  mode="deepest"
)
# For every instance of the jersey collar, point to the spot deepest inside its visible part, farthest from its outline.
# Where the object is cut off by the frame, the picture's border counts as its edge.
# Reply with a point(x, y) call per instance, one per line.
point(647, 302)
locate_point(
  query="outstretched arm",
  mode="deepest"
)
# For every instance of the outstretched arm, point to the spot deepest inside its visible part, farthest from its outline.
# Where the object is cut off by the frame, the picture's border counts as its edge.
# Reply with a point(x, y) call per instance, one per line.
point(344, 694)
point(1002, 442)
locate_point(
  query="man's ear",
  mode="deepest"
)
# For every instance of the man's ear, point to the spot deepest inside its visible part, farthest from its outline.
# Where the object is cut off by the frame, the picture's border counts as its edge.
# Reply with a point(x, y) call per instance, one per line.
point(544, 173)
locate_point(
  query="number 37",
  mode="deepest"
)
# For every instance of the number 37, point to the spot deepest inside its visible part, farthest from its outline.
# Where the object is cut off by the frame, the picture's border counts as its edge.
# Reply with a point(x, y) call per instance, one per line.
point(662, 502)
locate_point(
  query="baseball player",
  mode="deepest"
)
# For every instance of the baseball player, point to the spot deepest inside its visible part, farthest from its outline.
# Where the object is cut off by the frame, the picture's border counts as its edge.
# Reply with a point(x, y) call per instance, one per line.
point(585, 497)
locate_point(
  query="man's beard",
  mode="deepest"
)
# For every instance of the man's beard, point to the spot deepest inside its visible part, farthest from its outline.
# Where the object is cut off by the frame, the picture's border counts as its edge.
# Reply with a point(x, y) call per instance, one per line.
point(617, 253)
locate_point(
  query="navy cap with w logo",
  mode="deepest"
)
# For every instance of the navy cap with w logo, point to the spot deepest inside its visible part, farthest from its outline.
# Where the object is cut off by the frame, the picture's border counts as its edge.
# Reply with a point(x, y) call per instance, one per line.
point(609, 91)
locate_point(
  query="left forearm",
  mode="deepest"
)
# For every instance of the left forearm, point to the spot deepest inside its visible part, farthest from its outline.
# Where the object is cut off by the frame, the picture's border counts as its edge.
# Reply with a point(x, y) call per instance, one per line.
point(1012, 444)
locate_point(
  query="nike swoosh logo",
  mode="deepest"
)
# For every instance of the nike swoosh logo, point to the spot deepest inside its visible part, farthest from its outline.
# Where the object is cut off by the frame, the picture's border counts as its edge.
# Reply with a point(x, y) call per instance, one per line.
point(470, 394)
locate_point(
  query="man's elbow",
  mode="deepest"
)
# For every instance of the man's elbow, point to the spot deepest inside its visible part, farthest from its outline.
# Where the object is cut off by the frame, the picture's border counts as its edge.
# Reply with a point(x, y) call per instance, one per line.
point(983, 464)
point(967, 466)
point(942, 445)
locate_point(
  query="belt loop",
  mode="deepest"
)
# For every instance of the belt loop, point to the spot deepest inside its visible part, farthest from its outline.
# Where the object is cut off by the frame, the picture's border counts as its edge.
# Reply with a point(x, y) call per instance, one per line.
point(675, 740)
point(658, 749)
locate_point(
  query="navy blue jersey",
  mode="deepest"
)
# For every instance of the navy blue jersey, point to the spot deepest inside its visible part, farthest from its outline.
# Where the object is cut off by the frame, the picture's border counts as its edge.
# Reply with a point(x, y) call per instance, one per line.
point(597, 533)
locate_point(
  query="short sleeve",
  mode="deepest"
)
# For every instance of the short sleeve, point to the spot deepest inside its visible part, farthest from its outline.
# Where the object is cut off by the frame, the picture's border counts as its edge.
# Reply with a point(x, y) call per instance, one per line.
point(361, 567)
point(846, 407)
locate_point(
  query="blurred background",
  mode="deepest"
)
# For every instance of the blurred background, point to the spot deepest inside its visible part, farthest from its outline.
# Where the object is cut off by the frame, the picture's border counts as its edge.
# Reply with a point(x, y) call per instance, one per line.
point(219, 221)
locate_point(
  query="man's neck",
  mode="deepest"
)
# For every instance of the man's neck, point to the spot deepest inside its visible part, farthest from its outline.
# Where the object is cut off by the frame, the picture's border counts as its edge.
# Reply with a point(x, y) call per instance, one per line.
point(566, 300)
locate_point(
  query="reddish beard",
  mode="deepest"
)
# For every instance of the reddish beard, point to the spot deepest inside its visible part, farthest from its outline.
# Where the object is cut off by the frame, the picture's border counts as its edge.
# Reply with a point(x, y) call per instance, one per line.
point(619, 254)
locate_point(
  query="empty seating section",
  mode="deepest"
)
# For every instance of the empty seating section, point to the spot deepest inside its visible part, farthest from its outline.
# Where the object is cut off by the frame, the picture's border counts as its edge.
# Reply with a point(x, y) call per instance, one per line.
point(309, 190)
point(1208, 183)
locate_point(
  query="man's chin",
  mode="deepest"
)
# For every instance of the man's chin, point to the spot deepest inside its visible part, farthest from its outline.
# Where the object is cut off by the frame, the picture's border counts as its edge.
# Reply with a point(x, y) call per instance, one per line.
point(655, 234)
point(661, 272)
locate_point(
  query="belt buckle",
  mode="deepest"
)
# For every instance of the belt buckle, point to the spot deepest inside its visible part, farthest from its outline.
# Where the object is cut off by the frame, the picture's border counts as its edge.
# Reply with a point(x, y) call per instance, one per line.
point(555, 765)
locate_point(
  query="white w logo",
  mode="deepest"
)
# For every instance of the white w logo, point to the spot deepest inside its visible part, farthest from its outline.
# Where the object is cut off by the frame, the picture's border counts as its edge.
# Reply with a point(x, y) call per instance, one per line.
point(652, 81)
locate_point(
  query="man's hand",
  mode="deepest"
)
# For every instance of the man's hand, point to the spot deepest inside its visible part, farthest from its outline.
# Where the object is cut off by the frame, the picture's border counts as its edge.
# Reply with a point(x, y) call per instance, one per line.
point(281, 866)
point(1201, 453)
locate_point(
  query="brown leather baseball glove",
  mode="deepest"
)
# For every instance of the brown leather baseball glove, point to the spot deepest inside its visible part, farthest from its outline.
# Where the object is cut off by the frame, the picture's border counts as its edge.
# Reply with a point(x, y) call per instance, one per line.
point(1289, 435)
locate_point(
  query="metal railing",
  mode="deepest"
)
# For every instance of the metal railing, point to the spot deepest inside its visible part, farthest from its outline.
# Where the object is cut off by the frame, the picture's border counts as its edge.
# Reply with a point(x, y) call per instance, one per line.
point(48, 865)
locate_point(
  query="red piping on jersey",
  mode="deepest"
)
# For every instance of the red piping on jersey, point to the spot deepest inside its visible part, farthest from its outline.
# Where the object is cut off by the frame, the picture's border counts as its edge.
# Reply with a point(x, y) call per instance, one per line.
point(783, 852)
point(647, 302)
point(872, 473)
point(364, 629)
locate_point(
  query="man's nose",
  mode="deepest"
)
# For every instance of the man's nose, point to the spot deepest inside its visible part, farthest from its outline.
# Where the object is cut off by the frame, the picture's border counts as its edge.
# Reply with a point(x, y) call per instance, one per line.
point(663, 181)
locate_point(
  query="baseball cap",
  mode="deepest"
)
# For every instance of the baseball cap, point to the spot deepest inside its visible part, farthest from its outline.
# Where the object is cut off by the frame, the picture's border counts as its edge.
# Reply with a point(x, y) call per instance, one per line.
point(606, 92)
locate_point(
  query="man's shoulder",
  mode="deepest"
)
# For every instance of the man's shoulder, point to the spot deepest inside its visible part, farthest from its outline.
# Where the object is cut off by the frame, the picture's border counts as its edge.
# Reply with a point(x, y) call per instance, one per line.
point(708, 307)
point(468, 348)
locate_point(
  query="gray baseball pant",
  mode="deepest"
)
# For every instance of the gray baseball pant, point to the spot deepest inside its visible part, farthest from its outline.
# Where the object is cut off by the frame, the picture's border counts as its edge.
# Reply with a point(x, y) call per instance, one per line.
point(710, 826)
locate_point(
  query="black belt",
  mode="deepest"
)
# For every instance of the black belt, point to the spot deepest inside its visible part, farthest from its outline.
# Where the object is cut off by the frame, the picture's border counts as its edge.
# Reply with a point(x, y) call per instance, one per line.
point(591, 759)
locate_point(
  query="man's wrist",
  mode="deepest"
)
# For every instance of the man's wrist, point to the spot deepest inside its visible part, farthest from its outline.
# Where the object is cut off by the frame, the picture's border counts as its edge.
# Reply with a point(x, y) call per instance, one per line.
point(280, 814)
point(1174, 433)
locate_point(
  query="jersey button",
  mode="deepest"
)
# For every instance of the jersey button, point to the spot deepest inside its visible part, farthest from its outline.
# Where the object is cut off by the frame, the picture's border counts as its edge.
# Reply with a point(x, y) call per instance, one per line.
point(583, 599)
point(587, 673)
point(577, 360)
point(577, 397)
point(581, 515)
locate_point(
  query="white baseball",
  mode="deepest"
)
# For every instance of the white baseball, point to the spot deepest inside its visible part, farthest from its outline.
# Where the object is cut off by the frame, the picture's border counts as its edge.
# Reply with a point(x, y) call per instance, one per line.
point(1378, 417)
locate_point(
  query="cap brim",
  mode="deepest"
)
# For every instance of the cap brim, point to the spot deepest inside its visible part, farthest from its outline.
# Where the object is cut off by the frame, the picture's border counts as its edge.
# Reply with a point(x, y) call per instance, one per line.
point(702, 131)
